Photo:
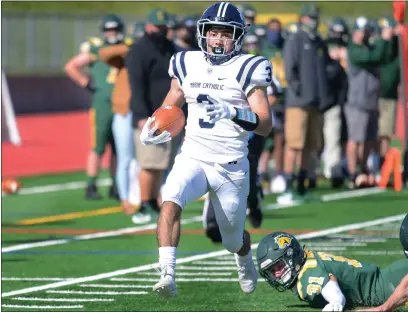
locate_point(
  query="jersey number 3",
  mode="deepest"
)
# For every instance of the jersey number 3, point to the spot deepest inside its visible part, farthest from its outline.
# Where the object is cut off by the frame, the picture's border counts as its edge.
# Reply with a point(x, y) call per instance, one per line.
point(203, 99)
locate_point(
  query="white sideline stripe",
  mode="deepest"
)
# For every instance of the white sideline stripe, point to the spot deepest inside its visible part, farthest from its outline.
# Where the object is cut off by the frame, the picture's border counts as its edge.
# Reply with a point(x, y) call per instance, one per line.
point(184, 274)
point(59, 187)
point(213, 254)
point(32, 279)
point(115, 286)
point(152, 226)
point(79, 306)
point(331, 197)
point(63, 299)
point(114, 293)
point(119, 232)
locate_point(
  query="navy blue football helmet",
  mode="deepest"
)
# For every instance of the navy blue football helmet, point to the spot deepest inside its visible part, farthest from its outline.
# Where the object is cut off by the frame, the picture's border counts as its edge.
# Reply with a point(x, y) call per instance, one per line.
point(224, 15)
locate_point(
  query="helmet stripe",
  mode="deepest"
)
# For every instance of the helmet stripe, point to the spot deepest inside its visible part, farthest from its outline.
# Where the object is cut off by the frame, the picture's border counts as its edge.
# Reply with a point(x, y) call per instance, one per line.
point(220, 8)
point(225, 9)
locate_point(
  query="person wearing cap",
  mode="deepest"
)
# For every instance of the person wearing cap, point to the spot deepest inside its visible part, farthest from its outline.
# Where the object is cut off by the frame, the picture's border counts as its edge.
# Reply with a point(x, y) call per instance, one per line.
point(389, 81)
point(185, 39)
point(147, 63)
point(305, 58)
point(361, 109)
point(274, 145)
point(100, 83)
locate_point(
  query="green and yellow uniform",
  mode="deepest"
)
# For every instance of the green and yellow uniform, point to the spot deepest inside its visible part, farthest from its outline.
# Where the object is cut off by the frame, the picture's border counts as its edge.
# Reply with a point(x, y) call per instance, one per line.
point(362, 283)
point(103, 77)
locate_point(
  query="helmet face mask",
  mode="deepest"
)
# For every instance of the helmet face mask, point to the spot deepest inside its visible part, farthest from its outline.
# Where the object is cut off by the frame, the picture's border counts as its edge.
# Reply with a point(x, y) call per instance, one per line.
point(221, 19)
point(113, 29)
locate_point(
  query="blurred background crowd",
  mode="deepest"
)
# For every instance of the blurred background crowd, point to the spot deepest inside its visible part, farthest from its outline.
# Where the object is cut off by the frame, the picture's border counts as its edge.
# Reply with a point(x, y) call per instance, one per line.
point(335, 94)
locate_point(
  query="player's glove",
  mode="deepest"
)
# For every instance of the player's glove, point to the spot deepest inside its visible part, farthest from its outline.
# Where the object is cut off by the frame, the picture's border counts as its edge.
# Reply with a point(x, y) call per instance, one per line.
point(147, 136)
point(217, 111)
point(333, 307)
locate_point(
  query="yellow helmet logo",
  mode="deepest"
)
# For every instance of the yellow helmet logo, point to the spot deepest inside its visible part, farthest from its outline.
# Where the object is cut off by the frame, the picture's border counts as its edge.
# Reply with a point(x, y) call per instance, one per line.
point(283, 241)
point(160, 16)
point(383, 23)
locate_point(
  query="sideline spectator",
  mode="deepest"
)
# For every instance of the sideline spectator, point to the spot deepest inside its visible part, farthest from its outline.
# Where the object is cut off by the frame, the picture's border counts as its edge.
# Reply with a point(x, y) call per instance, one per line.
point(148, 63)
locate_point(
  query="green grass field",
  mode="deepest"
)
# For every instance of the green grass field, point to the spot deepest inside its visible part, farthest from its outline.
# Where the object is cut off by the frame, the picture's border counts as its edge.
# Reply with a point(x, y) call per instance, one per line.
point(53, 253)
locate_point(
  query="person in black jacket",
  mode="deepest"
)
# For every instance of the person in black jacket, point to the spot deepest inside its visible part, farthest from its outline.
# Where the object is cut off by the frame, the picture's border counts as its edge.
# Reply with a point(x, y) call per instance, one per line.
point(305, 58)
point(148, 63)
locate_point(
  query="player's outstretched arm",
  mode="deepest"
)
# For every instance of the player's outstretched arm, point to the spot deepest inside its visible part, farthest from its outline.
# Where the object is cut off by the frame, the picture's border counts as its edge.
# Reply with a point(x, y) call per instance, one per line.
point(259, 103)
point(332, 293)
point(73, 68)
point(398, 298)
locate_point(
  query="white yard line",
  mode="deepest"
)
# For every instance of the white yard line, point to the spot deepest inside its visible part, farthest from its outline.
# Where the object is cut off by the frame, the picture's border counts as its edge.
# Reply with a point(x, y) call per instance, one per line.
point(335, 196)
point(184, 274)
point(79, 306)
point(331, 197)
point(114, 286)
point(375, 252)
point(111, 293)
point(33, 279)
point(59, 187)
point(213, 254)
point(64, 299)
point(105, 234)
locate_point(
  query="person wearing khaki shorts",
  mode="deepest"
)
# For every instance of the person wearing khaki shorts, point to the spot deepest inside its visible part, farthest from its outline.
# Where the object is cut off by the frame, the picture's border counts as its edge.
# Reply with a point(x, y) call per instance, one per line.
point(305, 58)
point(303, 128)
point(155, 157)
point(390, 79)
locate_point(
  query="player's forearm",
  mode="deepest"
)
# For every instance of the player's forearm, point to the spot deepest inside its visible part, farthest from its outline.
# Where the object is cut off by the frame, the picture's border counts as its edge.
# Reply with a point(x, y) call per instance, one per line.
point(399, 297)
point(264, 127)
point(76, 75)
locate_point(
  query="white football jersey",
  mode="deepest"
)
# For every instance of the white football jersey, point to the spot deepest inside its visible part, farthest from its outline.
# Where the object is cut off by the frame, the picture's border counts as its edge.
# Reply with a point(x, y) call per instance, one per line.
point(230, 83)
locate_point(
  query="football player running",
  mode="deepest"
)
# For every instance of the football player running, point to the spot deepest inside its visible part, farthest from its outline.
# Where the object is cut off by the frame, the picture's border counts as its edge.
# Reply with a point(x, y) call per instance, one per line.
point(324, 280)
point(226, 94)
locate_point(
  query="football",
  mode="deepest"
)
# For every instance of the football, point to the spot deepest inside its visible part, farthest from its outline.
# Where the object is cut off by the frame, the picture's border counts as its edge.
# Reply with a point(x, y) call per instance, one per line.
point(169, 118)
point(10, 186)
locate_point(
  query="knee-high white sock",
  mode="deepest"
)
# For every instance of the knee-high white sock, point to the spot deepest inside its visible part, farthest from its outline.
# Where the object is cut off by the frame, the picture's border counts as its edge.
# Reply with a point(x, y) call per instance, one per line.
point(242, 260)
point(167, 259)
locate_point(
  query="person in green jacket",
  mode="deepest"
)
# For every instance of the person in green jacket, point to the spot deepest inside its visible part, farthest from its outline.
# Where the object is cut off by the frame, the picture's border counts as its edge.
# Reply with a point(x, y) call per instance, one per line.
point(361, 109)
point(100, 83)
point(389, 81)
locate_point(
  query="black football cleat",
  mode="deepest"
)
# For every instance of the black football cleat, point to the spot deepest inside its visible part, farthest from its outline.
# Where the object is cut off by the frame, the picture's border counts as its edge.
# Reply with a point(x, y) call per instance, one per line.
point(113, 192)
point(255, 217)
point(91, 192)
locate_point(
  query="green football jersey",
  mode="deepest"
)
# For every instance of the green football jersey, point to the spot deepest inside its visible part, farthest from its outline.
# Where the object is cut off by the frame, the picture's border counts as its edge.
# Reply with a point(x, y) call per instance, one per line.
point(103, 75)
point(360, 282)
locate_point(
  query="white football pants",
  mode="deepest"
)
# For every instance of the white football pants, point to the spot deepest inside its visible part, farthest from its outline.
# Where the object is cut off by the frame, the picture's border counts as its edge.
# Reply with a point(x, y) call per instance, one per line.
point(228, 188)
